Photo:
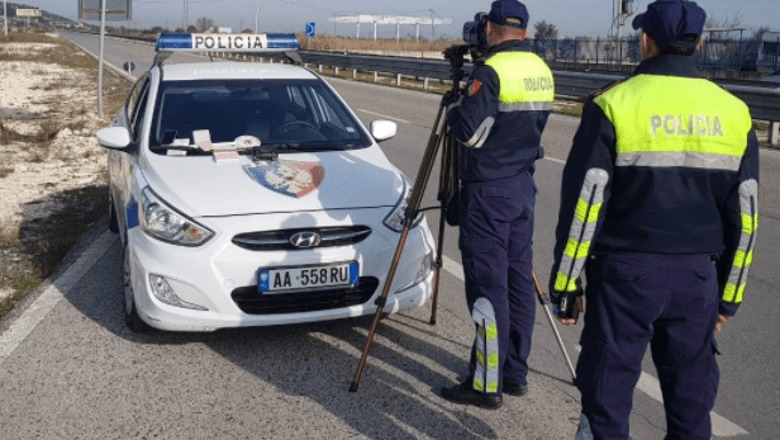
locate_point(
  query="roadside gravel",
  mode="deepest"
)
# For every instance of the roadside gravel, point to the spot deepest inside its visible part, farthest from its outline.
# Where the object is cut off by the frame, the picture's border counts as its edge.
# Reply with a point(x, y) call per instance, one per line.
point(53, 177)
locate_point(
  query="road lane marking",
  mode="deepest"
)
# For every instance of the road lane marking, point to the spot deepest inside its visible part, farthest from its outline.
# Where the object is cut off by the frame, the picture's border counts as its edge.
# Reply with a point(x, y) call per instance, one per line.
point(552, 159)
point(648, 384)
point(721, 427)
point(453, 267)
point(383, 116)
point(26, 323)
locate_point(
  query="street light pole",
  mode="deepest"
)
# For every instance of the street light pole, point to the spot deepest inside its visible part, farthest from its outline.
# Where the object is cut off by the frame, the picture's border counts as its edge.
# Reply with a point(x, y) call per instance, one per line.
point(100, 56)
point(257, 14)
point(185, 15)
point(433, 36)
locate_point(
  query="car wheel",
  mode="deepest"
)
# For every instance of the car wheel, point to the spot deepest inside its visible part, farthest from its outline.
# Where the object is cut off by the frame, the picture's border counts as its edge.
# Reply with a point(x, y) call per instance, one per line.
point(113, 222)
point(132, 319)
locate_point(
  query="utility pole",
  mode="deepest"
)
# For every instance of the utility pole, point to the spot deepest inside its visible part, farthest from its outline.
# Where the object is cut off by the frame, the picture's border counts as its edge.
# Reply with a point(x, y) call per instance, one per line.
point(433, 34)
point(257, 14)
point(623, 11)
point(619, 24)
point(100, 61)
point(5, 17)
point(185, 15)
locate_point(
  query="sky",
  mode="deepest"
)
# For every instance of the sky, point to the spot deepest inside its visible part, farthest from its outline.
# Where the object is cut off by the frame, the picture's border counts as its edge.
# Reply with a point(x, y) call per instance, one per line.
point(571, 17)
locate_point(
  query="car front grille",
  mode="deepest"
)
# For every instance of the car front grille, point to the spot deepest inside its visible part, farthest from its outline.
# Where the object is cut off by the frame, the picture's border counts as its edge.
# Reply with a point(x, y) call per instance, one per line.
point(249, 300)
point(280, 239)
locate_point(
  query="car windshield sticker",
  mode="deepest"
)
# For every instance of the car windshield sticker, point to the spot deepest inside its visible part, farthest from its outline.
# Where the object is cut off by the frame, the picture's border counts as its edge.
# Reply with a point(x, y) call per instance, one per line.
point(289, 177)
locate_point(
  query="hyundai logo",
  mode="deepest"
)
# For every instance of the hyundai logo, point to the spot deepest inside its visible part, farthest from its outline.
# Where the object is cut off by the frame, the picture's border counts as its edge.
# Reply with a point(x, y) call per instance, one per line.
point(305, 239)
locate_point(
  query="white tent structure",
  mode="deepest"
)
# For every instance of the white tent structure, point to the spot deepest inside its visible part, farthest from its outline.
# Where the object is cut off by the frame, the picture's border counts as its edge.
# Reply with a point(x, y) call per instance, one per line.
point(396, 20)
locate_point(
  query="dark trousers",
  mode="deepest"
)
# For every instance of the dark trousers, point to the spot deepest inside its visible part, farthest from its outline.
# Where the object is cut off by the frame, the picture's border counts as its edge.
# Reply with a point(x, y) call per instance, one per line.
point(496, 231)
point(669, 302)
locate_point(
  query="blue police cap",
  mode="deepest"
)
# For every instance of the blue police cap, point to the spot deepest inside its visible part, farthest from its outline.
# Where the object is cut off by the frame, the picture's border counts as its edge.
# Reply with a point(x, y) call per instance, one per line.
point(502, 10)
point(672, 23)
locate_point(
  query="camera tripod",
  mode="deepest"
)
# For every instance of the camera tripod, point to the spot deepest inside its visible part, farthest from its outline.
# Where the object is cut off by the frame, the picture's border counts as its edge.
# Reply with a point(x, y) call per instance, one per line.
point(440, 138)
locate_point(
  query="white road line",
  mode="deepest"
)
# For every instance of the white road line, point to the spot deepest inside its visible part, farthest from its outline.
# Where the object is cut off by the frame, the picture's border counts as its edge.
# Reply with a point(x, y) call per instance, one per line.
point(721, 427)
point(648, 384)
point(552, 159)
point(453, 267)
point(26, 323)
point(383, 116)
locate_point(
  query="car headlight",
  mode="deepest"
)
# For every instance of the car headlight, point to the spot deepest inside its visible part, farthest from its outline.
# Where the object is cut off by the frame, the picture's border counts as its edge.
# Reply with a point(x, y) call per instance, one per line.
point(164, 223)
point(425, 269)
point(395, 220)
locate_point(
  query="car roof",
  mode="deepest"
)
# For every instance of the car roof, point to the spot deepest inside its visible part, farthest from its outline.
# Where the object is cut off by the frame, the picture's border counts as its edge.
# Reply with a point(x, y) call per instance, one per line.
point(234, 70)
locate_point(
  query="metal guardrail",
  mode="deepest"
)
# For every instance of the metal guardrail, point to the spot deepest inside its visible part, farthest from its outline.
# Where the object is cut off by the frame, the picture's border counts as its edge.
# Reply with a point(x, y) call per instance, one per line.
point(764, 102)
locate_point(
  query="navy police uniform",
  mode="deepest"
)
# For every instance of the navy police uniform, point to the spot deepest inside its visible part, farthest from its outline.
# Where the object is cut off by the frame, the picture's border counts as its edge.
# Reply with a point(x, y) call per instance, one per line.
point(659, 208)
point(499, 126)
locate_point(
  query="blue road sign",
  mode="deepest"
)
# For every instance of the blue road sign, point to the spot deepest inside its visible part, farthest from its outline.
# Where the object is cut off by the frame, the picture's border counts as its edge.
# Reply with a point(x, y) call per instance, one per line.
point(310, 29)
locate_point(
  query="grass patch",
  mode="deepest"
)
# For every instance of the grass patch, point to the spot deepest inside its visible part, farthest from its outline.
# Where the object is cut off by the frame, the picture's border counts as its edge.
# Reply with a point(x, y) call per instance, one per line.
point(27, 283)
point(9, 235)
point(47, 131)
point(48, 240)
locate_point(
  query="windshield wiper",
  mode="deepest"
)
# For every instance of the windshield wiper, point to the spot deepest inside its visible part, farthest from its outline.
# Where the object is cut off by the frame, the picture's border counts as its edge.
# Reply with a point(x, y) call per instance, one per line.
point(280, 146)
point(180, 147)
point(323, 146)
point(268, 152)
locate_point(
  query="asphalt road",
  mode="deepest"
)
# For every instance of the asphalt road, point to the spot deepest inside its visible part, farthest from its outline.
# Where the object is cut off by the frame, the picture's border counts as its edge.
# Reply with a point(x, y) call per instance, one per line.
point(69, 368)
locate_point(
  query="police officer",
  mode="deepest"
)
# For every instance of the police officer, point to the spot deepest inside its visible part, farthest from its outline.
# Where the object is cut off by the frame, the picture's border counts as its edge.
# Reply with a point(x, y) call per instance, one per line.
point(658, 204)
point(498, 126)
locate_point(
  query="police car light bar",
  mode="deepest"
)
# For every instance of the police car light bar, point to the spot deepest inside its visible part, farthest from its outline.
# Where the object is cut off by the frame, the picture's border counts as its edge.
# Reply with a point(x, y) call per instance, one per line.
point(227, 43)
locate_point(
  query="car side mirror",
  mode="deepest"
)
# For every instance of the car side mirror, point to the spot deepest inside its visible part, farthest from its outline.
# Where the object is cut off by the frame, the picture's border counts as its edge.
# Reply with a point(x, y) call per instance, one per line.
point(383, 130)
point(114, 138)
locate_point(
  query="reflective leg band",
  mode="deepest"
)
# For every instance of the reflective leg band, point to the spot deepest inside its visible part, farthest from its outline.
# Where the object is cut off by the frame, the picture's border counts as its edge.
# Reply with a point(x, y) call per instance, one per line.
point(486, 372)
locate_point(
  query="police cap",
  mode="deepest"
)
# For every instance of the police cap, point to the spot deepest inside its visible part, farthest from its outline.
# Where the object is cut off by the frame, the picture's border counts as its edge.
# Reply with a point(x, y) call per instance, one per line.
point(503, 10)
point(672, 23)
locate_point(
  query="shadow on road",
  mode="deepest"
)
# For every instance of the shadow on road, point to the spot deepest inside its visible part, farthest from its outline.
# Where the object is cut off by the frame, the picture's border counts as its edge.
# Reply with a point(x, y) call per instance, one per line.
point(312, 365)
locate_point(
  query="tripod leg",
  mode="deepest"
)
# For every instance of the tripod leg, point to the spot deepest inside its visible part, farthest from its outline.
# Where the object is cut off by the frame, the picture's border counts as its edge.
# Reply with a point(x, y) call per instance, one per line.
point(545, 301)
point(439, 264)
point(415, 199)
point(380, 305)
point(447, 190)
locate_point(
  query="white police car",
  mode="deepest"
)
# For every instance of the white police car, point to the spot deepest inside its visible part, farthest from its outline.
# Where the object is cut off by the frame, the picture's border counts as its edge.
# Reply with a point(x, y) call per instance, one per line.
point(249, 194)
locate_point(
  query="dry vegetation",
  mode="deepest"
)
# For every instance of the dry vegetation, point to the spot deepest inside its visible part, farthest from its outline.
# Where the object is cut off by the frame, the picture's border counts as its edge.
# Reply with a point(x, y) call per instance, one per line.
point(52, 172)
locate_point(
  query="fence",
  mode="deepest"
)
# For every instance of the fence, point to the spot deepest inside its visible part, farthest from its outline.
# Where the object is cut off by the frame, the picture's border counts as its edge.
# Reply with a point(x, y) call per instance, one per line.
point(716, 53)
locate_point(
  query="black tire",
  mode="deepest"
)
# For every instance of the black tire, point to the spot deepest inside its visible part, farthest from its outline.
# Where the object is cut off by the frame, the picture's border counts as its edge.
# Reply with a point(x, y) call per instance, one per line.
point(113, 221)
point(132, 319)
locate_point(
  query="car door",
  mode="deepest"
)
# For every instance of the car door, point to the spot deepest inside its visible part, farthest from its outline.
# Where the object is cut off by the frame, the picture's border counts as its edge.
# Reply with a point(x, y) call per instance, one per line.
point(122, 163)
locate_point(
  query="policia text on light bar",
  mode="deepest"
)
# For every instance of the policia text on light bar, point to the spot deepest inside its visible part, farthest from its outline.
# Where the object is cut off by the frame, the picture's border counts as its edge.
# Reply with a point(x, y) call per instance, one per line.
point(227, 42)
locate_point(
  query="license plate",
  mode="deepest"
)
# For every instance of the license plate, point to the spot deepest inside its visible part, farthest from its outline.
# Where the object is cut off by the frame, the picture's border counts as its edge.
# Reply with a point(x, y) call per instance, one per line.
point(277, 280)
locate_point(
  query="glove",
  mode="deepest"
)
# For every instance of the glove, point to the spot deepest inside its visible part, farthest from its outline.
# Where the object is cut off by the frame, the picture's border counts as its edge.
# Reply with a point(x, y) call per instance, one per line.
point(567, 305)
point(451, 99)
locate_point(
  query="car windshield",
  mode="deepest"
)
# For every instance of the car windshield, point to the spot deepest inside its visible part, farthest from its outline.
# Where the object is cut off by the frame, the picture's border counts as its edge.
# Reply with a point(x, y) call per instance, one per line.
point(302, 115)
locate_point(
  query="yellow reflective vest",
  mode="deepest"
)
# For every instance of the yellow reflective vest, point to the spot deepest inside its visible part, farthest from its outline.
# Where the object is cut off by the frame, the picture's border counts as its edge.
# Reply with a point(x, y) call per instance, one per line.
point(665, 163)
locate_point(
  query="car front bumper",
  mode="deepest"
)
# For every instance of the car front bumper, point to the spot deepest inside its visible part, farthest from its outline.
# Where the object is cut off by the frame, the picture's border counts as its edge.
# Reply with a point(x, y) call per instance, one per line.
point(211, 277)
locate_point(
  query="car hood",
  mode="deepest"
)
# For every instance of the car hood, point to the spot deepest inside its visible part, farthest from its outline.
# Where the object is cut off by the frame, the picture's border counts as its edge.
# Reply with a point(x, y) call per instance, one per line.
point(201, 186)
